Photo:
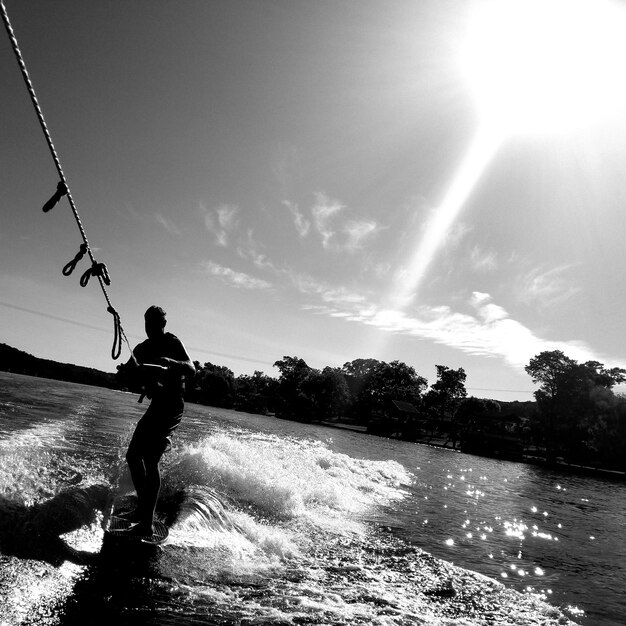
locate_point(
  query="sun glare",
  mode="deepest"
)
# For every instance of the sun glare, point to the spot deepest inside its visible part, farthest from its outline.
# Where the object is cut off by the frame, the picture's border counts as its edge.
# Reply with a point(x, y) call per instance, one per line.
point(546, 65)
point(535, 66)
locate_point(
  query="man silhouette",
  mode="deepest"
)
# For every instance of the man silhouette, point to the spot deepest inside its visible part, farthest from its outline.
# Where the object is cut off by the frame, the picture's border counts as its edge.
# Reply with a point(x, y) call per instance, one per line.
point(163, 363)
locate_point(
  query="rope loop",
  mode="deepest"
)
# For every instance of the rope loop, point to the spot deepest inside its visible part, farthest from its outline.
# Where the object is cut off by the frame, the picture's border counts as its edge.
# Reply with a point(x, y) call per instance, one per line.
point(100, 269)
point(71, 266)
point(116, 350)
point(96, 269)
point(61, 191)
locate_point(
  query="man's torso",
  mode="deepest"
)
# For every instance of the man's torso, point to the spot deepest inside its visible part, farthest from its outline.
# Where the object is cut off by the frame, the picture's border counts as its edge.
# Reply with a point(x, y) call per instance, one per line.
point(169, 385)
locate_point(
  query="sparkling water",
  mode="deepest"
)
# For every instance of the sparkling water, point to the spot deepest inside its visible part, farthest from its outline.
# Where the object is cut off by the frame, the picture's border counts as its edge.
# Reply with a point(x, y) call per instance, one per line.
point(276, 522)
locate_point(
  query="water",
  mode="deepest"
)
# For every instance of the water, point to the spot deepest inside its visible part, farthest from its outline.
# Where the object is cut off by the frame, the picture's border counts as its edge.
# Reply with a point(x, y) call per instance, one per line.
point(274, 522)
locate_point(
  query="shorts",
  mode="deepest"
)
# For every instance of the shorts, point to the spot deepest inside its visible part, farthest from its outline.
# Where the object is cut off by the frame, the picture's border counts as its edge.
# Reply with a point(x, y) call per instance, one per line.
point(153, 431)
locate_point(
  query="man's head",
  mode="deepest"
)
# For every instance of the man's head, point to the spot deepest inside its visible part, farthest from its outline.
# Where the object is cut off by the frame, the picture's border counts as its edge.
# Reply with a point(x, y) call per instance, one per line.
point(155, 321)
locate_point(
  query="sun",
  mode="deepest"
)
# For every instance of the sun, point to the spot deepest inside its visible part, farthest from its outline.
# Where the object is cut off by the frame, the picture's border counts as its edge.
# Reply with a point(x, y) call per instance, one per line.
point(546, 65)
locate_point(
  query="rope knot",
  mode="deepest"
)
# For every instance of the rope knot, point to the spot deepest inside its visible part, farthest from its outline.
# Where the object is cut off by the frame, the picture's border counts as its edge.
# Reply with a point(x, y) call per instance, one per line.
point(71, 266)
point(100, 269)
point(58, 194)
point(96, 269)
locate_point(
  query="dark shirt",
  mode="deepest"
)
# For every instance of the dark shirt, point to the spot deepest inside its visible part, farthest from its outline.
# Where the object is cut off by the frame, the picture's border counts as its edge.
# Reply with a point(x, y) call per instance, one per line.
point(162, 386)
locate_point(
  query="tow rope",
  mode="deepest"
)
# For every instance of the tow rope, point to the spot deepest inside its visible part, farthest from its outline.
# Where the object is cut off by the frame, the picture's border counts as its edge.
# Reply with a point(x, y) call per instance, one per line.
point(99, 270)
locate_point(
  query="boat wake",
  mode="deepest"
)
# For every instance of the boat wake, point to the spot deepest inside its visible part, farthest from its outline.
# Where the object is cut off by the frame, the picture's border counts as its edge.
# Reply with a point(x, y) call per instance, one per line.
point(263, 529)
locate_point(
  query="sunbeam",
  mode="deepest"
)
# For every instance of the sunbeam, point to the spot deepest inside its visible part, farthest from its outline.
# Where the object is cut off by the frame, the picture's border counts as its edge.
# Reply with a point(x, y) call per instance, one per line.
point(481, 151)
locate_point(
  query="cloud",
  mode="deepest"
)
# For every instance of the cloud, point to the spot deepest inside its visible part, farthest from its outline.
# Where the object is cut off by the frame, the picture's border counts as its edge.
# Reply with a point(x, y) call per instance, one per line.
point(220, 221)
point(546, 288)
point(169, 226)
point(487, 310)
point(234, 278)
point(148, 218)
point(482, 261)
point(481, 328)
point(131, 212)
point(287, 277)
point(323, 212)
point(490, 331)
point(357, 232)
point(249, 250)
point(307, 285)
point(337, 232)
point(300, 222)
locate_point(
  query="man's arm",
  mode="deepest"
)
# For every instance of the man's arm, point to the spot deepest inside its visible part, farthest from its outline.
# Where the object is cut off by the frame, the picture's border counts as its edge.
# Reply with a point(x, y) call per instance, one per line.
point(182, 366)
point(130, 365)
point(185, 367)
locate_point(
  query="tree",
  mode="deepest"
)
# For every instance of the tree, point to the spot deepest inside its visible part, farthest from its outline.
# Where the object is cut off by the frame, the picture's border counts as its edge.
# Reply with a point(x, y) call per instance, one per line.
point(360, 368)
point(607, 436)
point(256, 393)
point(572, 397)
point(216, 385)
point(357, 374)
point(446, 393)
point(292, 370)
point(550, 370)
point(328, 392)
point(390, 381)
point(470, 408)
point(291, 400)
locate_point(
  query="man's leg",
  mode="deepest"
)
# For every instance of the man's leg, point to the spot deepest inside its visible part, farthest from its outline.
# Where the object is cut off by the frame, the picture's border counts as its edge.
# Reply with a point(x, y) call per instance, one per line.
point(150, 491)
point(144, 454)
point(136, 465)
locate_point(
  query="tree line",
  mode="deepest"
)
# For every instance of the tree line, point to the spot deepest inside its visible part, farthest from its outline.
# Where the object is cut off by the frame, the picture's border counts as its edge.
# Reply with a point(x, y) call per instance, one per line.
point(20, 362)
point(359, 391)
point(576, 416)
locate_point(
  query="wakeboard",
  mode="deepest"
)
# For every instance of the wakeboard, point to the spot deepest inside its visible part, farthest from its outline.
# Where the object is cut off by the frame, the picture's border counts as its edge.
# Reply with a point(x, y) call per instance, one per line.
point(118, 530)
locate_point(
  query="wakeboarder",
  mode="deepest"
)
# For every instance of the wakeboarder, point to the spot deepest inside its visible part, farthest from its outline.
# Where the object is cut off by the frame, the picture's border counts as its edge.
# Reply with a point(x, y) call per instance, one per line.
point(161, 362)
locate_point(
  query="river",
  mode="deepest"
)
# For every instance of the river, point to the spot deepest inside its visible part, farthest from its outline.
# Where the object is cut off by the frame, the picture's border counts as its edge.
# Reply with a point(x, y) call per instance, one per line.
point(277, 522)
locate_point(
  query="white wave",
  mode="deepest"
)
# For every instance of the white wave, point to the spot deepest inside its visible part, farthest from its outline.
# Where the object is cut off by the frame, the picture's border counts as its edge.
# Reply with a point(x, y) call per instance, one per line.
point(289, 478)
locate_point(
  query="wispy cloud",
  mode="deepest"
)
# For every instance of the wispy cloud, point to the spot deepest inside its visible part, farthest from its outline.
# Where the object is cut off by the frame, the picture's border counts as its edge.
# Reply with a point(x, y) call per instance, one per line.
point(489, 331)
point(355, 233)
point(249, 250)
point(479, 327)
point(308, 285)
point(301, 223)
point(167, 224)
point(338, 232)
point(287, 278)
point(233, 277)
point(220, 221)
point(282, 163)
point(546, 288)
point(324, 210)
point(130, 212)
point(482, 261)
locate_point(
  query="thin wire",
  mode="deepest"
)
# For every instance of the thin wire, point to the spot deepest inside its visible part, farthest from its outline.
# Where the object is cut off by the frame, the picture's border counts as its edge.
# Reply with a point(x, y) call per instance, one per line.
point(42, 122)
point(506, 390)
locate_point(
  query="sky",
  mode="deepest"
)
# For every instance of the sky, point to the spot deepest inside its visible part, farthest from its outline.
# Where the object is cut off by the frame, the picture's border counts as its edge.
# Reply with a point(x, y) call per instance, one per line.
point(431, 181)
